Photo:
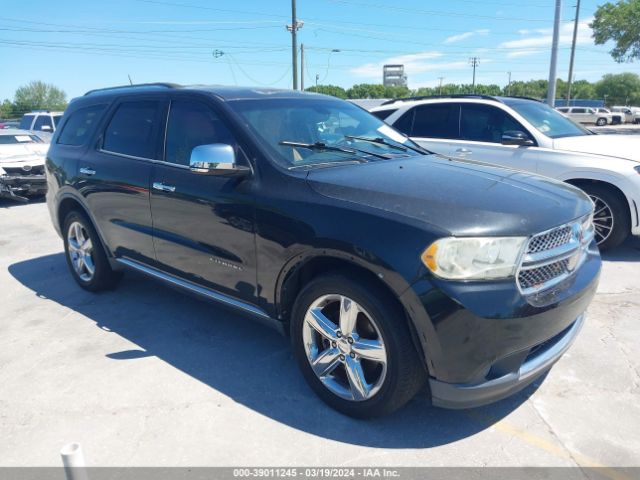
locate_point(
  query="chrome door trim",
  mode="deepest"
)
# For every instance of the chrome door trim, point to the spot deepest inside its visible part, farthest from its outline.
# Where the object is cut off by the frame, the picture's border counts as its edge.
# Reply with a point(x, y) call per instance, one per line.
point(87, 171)
point(197, 289)
point(163, 188)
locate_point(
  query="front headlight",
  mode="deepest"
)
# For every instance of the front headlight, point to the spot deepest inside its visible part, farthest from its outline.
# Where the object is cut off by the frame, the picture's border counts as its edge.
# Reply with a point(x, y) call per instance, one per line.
point(480, 258)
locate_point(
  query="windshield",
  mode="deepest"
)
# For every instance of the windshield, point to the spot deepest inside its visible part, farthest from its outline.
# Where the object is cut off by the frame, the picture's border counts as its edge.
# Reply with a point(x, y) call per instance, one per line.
point(325, 126)
point(17, 139)
point(548, 121)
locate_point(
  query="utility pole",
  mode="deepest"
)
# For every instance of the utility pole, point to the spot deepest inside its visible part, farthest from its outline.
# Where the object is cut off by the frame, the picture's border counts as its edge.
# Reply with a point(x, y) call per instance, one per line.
point(317, 78)
point(551, 90)
point(302, 67)
point(440, 90)
point(293, 28)
point(573, 52)
point(509, 85)
point(474, 62)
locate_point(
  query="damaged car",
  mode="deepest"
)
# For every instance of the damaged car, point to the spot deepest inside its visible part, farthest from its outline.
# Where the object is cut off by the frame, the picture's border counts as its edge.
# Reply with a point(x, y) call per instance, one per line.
point(22, 157)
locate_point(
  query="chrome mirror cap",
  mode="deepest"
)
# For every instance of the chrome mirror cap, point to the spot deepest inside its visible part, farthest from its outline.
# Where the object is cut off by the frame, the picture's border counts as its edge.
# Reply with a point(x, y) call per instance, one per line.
point(215, 159)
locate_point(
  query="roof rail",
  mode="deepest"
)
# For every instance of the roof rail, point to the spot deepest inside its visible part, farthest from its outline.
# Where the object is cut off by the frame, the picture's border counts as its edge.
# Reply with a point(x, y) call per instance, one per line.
point(138, 85)
point(428, 97)
point(525, 98)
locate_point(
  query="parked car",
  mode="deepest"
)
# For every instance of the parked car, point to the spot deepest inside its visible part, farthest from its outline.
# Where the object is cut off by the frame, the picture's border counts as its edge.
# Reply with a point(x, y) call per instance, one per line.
point(587, 115)
point(630, 116)
point(528, 135)
point(388, 267)
point(9, 124)
point(613, 118)
point(40, 120)
point(21, 165)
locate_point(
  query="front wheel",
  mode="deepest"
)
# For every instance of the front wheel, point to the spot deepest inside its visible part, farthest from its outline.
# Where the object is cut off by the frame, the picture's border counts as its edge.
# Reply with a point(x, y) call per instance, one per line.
point(354, 347)
point(601, 122)
point(610, 218)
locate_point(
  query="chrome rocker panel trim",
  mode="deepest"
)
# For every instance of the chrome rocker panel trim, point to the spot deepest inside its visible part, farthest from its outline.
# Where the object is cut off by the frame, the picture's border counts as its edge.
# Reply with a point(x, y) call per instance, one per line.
point(256, 312)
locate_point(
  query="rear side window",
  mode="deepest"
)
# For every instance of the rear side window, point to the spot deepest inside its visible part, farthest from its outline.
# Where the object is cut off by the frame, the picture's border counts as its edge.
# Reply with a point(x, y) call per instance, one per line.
point(383, 114)
point(440, 120)
point(25, 123)
point(77, 129)
point(579, 110)
point(132, 129)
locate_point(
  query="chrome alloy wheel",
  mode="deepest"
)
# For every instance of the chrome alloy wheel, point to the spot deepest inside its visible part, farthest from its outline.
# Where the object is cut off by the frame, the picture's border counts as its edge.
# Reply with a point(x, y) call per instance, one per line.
point(81, 251)
point(344, 347)
point(603, 220)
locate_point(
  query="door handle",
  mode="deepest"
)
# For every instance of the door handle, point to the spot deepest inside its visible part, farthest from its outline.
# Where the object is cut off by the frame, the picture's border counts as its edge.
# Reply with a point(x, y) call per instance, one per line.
point(463, 150)
point(163, 188)
point(87, 171)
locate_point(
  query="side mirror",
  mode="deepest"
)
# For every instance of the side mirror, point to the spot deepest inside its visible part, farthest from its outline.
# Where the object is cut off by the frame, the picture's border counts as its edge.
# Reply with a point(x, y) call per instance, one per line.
point(216, 159)
point(516, 137)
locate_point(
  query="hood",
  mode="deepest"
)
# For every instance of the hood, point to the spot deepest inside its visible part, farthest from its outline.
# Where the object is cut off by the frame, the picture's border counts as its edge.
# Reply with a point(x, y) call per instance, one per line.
point(27, 153)
point(621, 146)
point(459, 197)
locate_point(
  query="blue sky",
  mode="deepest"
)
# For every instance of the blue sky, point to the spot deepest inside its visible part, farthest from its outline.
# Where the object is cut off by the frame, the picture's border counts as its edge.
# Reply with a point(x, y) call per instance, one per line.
point(80, 45)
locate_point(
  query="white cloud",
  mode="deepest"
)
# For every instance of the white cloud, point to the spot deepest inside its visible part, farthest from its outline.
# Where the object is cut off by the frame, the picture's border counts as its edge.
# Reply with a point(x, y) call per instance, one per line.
point(544, 36)
point(464, 36)
point(524, 53)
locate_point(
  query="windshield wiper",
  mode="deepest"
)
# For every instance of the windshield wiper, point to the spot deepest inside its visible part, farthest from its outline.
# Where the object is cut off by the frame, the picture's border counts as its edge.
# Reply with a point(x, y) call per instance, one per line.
point(320, 146)
point(327, 164)
point(382, 141)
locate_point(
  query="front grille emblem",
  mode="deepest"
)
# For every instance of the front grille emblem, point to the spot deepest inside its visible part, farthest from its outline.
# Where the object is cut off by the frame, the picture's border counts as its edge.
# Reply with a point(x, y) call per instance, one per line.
point(26, 168)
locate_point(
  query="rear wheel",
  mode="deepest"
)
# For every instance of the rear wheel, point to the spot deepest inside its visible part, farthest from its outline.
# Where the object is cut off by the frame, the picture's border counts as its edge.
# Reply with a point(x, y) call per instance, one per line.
point(354, 348)
point(610, 218)
point(85, 255)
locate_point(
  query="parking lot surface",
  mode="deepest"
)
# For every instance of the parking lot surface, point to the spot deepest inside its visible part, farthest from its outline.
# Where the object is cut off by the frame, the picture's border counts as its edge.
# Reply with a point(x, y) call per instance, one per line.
point(145, 375)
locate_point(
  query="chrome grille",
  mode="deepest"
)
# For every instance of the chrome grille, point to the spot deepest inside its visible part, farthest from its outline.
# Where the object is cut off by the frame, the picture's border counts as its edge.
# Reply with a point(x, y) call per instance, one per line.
point(554, 255)
point(19, 171)
point(550, 240)
point(539, 276)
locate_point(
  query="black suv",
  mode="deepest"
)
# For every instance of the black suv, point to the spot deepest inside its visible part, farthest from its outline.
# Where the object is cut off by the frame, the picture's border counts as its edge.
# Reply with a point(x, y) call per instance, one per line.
point(390, 268)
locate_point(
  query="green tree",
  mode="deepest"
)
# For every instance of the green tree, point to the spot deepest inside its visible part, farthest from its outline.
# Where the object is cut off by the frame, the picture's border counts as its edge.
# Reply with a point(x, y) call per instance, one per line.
point(621, 89)
point(366, 90)
point(328, 90)
point(620, 23)
point(39, 95)
point(6, 109)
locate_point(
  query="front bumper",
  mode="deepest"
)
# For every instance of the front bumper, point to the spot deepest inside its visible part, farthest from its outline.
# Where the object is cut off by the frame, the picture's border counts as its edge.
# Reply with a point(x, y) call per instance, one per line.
point(458, 396)
point(19, 186)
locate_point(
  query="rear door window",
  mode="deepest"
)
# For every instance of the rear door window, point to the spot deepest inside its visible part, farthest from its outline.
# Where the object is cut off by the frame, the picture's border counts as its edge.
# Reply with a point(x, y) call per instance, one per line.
point(133, 129)
point(80, 125)
point(438, 120)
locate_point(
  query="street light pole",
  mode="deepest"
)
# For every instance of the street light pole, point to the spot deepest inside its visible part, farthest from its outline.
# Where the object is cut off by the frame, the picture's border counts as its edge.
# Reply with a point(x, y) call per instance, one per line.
point(440, 90)
point(551, 90)
point(302, 66)
point(573, 52)
point(509, 85)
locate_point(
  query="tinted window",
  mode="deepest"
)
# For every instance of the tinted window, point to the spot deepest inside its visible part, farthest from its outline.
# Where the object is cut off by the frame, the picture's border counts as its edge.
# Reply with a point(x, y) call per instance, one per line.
point(382, 114)
point(192, 124)
point(43, 121)
point(80, 125)
point(25, 123)
point(483, 123)
point(132, 130)
point(439, 120)
point(579, 110)
point(405, 122)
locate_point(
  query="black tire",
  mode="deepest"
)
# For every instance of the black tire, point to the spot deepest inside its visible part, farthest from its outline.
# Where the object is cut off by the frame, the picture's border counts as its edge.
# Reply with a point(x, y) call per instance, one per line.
point(104, 277)
point(616, 204)
point(601, 122)
point(405, 374)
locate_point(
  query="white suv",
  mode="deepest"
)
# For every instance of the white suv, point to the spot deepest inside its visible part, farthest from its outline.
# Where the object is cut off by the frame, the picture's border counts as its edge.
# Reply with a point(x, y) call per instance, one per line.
point(629, 114)
point(587, 115)
point(40, 121)
point(526, 134)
